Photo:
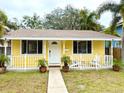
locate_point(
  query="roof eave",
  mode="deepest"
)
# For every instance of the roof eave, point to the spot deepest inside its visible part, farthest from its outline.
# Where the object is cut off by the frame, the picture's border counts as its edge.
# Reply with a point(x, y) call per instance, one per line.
point(53, 38)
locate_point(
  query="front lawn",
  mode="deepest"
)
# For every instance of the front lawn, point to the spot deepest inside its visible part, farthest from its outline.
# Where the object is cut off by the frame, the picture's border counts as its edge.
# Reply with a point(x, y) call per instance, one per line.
point(101, 81)
point(23, 82)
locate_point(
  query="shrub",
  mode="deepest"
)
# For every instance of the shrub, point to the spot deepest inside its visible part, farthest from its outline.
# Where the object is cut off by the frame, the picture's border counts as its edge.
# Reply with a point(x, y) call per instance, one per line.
point(42, 62)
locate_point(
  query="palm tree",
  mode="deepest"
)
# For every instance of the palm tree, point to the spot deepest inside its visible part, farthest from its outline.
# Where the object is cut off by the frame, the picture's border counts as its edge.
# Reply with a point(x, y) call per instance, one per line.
point(3, 22)
point(117, 11)
point(1, 30)
point(88, 21)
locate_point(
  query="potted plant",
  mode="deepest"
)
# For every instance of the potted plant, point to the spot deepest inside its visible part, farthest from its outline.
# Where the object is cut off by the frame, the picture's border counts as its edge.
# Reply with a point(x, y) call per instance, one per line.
point(66, 60)
point(117, 65)
point(42, 65)
point(3, 60)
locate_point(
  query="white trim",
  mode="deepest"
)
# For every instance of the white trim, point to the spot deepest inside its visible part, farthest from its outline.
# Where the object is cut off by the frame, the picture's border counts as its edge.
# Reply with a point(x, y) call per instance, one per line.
point(51, 38)
point(44, 48)
point(11, 47)
point(5, 47)
point(111, 48)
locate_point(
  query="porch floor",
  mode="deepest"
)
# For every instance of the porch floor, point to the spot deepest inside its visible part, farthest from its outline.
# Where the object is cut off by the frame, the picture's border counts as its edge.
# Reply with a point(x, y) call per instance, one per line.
point(55, 82)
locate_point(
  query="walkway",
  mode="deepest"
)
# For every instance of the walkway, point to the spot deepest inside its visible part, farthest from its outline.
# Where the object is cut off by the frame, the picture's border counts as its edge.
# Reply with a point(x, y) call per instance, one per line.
point(55, 82)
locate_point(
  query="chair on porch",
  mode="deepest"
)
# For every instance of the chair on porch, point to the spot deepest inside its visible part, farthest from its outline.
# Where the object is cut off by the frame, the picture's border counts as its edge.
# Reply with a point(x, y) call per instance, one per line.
point(96, 61)
point(75, 64)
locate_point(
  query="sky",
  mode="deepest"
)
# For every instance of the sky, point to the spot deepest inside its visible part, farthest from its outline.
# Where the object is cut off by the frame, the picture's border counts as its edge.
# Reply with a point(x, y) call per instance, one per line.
point(19, 8)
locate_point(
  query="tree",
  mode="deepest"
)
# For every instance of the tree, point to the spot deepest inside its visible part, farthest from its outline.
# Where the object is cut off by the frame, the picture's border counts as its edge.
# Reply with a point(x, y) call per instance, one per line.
point(33, 22)
point(117, 11)
point(54, 20)
point(108, 31)
point(3, 18)
point(71, 19)
point(13, 24)
point(3, 21)
point(1, 30)
point(88, 21)
point(67, 18)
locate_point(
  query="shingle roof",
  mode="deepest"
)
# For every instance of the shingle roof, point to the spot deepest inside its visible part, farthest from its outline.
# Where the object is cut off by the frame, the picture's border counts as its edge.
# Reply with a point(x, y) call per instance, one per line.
point(58, 34)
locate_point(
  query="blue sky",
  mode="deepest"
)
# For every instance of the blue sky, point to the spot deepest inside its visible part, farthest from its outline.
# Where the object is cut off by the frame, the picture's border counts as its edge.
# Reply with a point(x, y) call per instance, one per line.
point(19, 8)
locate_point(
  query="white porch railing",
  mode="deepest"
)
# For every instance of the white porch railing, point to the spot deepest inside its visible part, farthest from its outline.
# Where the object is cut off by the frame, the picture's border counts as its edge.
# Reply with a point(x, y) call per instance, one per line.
point(81, 62)
point(24, 62)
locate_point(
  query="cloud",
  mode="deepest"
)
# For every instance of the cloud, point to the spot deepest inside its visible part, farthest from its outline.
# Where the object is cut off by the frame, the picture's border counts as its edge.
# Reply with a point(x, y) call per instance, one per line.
point(19, 8)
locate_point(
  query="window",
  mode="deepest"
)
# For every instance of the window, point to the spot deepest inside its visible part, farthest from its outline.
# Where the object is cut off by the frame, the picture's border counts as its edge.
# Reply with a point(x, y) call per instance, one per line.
point(31, 47)
point(117, 44)
point(2, 50)
point(82, 47)
point(107, 47)
point(8, 48)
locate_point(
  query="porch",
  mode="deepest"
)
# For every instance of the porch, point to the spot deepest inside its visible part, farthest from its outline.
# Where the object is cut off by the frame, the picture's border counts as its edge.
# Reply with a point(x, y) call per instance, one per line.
point(78, 62)
point(84, 54)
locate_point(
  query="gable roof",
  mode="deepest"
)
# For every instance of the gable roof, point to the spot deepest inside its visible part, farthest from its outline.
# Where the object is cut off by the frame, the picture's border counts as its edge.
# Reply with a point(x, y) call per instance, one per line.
point(36, 34)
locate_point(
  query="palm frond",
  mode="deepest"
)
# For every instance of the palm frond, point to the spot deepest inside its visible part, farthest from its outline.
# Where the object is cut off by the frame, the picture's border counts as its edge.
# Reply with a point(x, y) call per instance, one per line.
point(92, 15)
point(122, 2)
point(108, 6)
point(1, 30)
point(114, 23)
point(3, 17)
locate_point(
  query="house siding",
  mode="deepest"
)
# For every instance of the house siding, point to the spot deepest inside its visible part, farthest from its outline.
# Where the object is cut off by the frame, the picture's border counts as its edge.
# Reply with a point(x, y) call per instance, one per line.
point(99, 49)
point(16, 47)
point(68, 47)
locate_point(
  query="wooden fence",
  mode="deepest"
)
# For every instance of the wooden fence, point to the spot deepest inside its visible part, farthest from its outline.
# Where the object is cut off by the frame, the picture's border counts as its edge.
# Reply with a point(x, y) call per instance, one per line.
point(117, 53)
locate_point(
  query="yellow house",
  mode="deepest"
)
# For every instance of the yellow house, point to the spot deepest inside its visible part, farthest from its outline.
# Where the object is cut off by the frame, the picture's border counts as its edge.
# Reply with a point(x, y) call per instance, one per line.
point(87, 49)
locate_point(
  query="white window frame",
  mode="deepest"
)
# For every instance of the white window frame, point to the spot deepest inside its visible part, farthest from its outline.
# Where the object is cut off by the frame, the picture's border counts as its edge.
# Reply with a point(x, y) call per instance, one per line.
point(8, 47)
point(86, 47)
point(27, 48)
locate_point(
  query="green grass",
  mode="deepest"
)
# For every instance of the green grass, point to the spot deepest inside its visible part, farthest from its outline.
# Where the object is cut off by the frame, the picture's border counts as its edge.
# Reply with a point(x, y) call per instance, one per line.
point(101, 81)
point(23, 82)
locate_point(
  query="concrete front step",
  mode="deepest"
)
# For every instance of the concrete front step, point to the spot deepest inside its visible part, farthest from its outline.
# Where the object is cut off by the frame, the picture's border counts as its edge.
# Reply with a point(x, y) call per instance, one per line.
point(54, 65)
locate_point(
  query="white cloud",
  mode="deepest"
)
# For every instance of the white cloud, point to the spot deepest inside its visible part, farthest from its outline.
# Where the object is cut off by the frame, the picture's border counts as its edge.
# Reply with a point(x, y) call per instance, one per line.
point(19, 8)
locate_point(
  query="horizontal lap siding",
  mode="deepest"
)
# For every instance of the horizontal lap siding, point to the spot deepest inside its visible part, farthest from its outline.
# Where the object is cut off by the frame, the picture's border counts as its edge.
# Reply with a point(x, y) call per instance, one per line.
point(16, 47)
point(68, 47)
point(99, 49)
point(47, 49)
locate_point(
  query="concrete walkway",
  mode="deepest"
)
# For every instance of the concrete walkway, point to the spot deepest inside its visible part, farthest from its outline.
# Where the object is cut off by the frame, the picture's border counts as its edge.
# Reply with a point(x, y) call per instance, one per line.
point(55, 82)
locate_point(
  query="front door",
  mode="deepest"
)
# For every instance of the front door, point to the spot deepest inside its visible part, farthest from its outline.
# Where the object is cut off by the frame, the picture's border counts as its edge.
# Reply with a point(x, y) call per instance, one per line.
point(54, 52)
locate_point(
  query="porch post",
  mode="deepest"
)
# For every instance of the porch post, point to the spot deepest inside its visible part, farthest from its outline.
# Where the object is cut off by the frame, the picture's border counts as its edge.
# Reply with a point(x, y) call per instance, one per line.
point(44, 48)
point(112, 52)
point(5, 47)
point(63, 47)
point(111, 48)
point(25, 56)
